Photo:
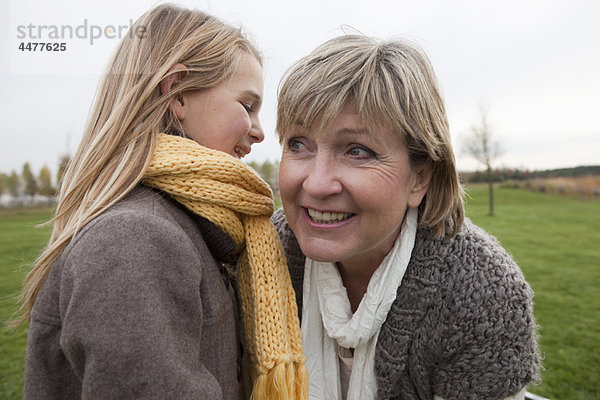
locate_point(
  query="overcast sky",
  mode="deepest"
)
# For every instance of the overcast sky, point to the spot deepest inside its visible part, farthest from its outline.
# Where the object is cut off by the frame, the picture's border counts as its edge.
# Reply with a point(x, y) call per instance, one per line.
point(534, 63)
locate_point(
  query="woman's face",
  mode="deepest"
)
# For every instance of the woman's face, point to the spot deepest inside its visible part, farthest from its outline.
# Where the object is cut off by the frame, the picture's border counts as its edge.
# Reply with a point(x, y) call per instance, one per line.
point(225, 117)
point(346, 191)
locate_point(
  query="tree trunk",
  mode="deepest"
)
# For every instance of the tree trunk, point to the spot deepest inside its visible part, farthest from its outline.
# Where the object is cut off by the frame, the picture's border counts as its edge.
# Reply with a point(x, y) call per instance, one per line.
point(491, 190)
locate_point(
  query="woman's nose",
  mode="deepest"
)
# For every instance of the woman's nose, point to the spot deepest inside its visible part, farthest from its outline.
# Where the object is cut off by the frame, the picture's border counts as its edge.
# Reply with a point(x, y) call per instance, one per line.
point(322, 180)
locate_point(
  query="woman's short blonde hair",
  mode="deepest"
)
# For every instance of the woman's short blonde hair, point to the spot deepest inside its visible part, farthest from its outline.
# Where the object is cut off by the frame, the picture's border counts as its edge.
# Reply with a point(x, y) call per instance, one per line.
point(392, 84)
point(129, 112)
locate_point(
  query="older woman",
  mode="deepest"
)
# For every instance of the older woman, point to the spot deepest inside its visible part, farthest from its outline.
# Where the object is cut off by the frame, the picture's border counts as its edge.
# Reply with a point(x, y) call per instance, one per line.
point(400, 296)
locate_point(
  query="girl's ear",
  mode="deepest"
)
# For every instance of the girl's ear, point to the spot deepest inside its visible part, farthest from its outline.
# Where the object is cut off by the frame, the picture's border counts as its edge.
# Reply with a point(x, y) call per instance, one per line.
point(174, 76)
point(421, 179)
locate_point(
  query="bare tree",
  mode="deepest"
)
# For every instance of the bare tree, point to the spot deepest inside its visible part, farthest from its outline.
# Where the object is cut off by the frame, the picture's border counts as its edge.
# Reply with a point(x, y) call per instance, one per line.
point(482, 146)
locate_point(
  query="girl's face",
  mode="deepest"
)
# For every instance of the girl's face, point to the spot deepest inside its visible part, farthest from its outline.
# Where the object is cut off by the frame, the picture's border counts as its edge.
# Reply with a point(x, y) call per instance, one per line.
point(345, 191)
point(225, 117)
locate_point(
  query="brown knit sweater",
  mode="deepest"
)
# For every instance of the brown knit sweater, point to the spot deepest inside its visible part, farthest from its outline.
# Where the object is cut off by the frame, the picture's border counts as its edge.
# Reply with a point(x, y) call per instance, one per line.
point(461, 326)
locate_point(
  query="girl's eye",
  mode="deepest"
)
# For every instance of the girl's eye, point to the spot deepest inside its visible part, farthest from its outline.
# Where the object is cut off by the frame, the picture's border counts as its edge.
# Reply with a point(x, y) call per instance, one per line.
point(248, 107)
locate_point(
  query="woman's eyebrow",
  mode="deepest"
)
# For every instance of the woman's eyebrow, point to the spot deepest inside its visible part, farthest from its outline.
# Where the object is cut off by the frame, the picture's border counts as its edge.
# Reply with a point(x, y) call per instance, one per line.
point(361, 131)
point(353, 131)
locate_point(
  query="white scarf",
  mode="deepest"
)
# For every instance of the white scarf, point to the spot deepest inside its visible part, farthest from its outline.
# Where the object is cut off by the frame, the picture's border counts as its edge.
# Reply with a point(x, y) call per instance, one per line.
point(327, 318)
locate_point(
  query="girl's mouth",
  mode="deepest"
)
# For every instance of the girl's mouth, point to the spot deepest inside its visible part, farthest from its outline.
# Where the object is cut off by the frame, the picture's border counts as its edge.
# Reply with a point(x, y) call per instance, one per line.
point(327, 217)
point(240, 152)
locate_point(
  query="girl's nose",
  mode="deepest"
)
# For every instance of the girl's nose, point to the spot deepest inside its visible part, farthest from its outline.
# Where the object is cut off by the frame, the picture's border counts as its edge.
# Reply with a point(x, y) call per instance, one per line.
point(256, 132)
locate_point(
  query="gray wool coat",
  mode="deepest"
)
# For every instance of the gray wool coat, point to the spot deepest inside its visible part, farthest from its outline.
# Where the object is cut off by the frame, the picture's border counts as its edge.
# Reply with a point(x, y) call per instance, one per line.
point(461, 326)
point(137, 307)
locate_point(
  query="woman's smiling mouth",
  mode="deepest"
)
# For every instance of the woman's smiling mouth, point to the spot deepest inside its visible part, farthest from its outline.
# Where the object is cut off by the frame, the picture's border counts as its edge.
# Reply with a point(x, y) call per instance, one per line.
point(327, 217)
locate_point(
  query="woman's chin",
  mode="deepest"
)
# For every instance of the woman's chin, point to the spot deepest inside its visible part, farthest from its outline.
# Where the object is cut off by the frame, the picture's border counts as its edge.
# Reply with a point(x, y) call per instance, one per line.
point(320, 251)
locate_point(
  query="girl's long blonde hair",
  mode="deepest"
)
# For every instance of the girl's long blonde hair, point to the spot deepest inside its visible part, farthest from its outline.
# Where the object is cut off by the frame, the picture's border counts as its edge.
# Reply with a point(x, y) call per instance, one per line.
point(128, 114)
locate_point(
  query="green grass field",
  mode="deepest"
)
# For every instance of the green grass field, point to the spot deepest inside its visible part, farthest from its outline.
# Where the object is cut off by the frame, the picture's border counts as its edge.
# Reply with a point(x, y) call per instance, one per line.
point(20, 243)
point(554, 239)
point(556, 242)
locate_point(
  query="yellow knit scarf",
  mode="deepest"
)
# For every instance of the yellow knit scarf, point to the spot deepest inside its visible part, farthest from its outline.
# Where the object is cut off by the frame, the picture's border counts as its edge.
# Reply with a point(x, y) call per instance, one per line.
point(231, 195)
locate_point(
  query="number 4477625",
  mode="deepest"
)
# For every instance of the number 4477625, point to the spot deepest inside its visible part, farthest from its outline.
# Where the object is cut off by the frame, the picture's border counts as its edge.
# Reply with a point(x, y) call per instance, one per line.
point(41, 46)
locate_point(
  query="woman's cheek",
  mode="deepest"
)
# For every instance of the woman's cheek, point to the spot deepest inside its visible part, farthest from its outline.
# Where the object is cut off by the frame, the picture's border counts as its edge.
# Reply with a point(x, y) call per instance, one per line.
point(285, 179)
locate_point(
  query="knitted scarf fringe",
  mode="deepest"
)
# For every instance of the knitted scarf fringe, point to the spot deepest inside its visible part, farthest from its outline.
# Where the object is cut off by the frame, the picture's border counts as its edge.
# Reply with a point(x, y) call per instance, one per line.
point(231, 195)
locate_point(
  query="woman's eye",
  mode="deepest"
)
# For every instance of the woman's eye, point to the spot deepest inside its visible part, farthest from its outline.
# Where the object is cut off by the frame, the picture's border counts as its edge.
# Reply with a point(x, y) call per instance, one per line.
point(295, 145)
point(248, 107)
point(361, 152)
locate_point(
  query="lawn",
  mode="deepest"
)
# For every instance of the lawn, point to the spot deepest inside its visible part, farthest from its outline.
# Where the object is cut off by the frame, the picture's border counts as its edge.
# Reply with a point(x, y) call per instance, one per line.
point(20, 243)
point(554, 239)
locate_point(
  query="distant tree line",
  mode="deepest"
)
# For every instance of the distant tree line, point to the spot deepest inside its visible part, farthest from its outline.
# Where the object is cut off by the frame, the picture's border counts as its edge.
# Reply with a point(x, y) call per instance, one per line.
point(567, 172)
point(506, 174)
point(29, 183)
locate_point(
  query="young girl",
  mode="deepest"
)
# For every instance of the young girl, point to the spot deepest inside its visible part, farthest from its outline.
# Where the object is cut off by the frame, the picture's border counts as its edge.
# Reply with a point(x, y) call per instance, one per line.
point(130, 298)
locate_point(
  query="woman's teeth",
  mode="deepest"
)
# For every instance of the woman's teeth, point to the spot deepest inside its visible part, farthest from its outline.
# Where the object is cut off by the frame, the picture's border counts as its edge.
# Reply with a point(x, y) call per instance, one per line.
point(327, 217)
